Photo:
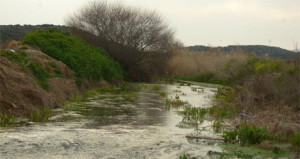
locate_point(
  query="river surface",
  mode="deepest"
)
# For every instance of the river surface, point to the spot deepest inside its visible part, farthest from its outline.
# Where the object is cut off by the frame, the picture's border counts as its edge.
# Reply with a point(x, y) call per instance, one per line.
point(111, 128)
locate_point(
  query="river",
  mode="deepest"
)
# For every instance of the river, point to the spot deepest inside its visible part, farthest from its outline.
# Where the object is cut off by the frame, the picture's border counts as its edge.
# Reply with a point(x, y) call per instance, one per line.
point(111, 128)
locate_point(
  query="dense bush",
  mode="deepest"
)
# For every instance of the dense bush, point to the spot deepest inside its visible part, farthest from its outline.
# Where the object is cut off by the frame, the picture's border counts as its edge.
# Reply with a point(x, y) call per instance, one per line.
point(246, 135)
point(86, 61)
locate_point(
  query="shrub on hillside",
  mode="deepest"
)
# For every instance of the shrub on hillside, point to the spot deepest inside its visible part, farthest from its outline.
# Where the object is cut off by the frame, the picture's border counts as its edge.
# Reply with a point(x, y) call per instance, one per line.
point(86, 61)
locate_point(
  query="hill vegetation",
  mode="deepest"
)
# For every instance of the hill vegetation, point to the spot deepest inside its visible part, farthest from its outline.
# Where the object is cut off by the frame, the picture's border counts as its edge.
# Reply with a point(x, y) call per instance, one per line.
point(259, 50)
point(86, 61)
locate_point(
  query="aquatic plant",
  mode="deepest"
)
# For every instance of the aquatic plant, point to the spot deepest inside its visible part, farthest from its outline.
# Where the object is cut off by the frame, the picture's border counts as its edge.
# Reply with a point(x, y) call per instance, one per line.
point(194, 114)
point(217, 125)
point(156, 87)
point(168, 103)
point(129, 96)
point(184, 156)
point(40, 115)
point(7, 120)
point(162, 94)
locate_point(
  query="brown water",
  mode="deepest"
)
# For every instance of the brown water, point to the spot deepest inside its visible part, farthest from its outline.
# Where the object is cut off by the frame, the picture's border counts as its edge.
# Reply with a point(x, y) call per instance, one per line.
point(111, 128)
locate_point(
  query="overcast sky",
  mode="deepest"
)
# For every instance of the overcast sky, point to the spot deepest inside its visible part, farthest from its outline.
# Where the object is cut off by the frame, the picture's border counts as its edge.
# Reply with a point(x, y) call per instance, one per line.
point(196, 22)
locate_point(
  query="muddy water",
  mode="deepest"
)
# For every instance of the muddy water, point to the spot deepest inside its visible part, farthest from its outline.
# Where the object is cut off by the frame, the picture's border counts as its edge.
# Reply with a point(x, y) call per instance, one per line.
point(109, 127)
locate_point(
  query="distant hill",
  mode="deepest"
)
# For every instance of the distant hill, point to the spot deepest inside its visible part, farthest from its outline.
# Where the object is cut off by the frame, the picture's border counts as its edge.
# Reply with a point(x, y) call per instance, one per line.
point(17, 32)
point(260, 50)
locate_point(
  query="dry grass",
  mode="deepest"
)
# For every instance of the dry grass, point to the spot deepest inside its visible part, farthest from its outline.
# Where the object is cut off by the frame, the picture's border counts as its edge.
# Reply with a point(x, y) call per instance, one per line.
point(186, 62)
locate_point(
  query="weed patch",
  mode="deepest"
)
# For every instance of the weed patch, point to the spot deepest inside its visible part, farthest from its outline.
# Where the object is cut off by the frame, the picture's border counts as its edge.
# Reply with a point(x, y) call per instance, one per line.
point(57, 70)
point(40, 74)
point(246, 135)
point(7, 120)
point(41, 115)
point(19, 57)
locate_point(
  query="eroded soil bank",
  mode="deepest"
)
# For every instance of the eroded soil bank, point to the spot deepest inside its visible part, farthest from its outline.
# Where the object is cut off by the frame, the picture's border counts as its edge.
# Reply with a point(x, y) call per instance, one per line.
point(21, 92)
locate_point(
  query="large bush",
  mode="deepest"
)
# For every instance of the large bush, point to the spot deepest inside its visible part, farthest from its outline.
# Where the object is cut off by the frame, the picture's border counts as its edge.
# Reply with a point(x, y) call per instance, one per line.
point(86, 61)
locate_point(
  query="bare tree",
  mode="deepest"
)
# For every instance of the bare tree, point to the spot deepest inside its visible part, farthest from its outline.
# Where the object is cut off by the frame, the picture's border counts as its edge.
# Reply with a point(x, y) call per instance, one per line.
point(129, 34)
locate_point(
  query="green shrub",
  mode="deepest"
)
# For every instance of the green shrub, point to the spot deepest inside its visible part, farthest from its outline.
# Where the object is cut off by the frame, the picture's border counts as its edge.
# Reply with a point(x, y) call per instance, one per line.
point(263, 65)
point(86, 61)
point(230, 136)
point(194, 114)
point(252, 135)
point(246, 135)
point(41, 115)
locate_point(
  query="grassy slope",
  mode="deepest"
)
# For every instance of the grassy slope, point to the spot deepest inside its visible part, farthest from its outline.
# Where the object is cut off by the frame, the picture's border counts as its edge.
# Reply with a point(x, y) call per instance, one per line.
point(86, 61)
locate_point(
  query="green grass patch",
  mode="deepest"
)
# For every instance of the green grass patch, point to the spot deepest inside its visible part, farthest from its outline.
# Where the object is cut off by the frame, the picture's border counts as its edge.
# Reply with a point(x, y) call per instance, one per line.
point(249, 152)
point(57, 70)
point(40, 74)
point(19, 57)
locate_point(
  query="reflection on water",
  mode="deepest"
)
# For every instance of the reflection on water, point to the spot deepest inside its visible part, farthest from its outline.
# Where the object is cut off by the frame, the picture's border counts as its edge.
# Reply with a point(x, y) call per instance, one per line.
point(112, 128)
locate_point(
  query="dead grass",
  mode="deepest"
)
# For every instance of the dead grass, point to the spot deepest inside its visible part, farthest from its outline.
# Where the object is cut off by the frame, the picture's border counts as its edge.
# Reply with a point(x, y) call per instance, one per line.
point(186, 62)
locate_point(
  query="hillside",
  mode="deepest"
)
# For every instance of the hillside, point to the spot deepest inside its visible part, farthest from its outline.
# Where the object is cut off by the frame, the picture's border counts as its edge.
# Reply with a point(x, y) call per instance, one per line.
point(260, 50)
point(30, 80)
point(51, 66)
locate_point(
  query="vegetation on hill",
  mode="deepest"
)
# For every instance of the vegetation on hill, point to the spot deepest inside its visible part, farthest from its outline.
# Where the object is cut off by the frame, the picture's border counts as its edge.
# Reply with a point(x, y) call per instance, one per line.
point(259, 50)
point(86, 61)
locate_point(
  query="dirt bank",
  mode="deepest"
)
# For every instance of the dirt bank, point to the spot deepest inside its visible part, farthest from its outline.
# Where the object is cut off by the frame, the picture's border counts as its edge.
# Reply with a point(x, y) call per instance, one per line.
point(20, 92)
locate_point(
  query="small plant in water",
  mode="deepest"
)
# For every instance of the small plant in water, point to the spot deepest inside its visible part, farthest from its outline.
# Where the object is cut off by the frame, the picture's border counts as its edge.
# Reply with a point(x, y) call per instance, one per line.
point(41, 115)
point(156, 88)
point(217, 125)
point(162, 94)
point(184, 156)
point(7, 120)
point(194, 115)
